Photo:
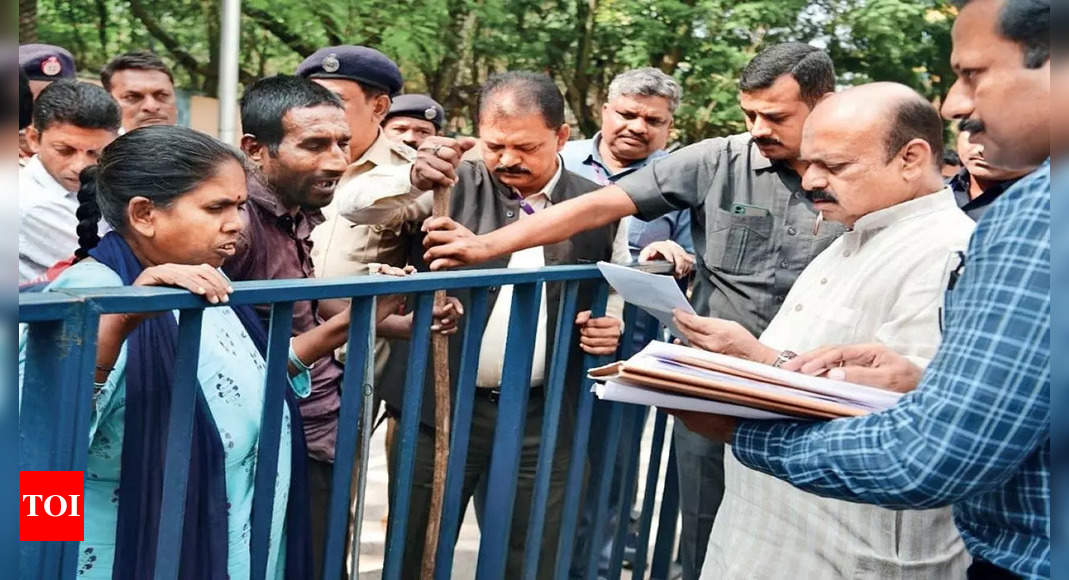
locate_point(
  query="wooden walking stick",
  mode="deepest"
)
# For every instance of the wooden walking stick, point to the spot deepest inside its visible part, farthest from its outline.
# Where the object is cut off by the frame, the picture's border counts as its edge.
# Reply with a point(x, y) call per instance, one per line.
point(442, 407)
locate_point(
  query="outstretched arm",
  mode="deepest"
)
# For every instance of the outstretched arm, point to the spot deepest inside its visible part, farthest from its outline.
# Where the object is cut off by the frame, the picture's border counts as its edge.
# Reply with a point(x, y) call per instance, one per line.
point(449, 246)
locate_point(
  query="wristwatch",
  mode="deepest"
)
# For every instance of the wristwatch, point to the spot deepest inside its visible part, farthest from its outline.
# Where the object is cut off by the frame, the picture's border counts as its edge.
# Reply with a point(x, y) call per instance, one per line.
point(783, 357)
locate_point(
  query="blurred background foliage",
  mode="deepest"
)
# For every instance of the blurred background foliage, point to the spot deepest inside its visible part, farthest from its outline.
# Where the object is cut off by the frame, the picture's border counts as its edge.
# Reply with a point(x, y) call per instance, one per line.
point(447, 48)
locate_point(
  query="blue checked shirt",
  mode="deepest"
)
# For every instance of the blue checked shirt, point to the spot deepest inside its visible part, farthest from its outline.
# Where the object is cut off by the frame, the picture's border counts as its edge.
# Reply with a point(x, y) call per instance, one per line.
point(976, 432)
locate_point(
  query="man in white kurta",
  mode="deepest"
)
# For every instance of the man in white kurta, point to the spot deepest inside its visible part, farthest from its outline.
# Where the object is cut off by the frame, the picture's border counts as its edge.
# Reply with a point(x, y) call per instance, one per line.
point(881, 281)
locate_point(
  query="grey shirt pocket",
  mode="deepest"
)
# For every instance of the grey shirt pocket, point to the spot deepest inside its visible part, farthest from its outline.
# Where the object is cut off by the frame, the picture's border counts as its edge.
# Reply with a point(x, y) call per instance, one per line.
point(743, 243)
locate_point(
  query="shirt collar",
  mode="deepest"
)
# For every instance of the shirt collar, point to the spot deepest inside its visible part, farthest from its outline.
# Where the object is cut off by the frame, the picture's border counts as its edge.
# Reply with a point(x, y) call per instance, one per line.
point(547, 189)
point(924, 205)
point(378, 154)
point(595, 157)
point(961, 184)
point(759, 162)
point(36, 171)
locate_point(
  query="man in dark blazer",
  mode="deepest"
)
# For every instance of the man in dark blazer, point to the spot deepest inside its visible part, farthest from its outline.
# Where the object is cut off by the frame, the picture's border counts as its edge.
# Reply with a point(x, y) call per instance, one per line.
point(522, 129)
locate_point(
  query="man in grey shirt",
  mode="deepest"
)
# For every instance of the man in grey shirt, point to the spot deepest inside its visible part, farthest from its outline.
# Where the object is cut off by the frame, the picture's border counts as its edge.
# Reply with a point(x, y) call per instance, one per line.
point(754, 230)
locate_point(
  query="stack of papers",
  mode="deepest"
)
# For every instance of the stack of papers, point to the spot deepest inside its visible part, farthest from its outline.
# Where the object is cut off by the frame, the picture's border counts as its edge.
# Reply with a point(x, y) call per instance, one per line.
point(673, 376)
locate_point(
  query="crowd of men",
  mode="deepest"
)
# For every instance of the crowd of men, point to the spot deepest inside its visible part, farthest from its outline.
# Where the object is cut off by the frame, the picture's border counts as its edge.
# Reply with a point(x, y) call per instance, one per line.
point(835, 236)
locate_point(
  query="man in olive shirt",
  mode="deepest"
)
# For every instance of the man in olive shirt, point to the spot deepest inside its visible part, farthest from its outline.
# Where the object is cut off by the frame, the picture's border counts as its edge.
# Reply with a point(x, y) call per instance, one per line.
point(753, 225)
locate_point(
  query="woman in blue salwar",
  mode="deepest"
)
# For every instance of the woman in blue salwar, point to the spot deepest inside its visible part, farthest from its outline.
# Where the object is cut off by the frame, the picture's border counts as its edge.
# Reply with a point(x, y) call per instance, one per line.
point(173, 198)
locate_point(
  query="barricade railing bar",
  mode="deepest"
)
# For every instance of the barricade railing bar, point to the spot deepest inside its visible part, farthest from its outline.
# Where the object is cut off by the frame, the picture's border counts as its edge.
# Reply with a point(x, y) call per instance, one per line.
point(56, 404)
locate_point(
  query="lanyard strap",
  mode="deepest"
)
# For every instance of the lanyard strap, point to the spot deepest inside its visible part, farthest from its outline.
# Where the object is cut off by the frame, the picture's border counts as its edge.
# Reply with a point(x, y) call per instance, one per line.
point(526, 207)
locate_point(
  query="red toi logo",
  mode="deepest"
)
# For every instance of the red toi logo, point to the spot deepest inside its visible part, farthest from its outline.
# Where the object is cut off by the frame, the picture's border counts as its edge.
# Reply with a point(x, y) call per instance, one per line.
point(52, 506)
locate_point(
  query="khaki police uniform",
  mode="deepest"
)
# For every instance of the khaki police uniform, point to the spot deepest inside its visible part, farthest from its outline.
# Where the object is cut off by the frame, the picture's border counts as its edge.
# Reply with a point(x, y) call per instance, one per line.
point(344, 248)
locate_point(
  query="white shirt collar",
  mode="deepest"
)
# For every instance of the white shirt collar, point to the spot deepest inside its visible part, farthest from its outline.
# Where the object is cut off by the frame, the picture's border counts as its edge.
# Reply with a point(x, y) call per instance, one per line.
point(908, 209)
point(547, 189)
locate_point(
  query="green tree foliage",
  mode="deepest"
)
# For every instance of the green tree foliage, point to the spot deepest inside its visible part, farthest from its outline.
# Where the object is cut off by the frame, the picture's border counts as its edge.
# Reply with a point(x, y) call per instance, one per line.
point(449, 47)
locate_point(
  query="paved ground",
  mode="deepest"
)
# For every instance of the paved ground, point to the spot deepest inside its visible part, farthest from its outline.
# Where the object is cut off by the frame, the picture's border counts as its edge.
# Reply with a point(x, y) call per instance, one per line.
point(373, 536)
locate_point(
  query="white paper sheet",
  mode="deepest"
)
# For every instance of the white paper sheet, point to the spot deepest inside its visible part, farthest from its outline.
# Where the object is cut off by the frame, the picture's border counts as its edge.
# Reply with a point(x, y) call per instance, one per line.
point(653, 293)
point(624, 393)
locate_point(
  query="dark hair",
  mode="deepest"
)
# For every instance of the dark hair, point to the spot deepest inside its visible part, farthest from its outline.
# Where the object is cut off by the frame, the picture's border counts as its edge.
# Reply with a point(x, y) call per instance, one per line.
point(951, 157)
point(915, 118)
point(25, 101)
point(269, 99)
point(1026, 22)
point(531, 91)
point(160, 162)
point(810, 66)
point(142, 60)
point(79, 104)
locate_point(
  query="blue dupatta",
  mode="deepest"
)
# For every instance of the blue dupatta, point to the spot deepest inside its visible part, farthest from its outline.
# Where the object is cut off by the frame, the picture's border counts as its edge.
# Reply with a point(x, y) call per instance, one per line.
point(151, 350)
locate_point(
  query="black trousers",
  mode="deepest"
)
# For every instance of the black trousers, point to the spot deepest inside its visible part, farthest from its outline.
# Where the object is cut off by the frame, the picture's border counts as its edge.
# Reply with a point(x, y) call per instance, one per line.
point(320, 474)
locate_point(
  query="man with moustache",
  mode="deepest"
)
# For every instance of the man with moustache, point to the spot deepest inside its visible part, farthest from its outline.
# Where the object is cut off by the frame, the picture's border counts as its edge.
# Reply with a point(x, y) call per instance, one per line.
point(635, 124)
point(143, 86)
point(874, 153)
point(979, 183)
point(753, 227)
point(975, 433)
point(522, 128)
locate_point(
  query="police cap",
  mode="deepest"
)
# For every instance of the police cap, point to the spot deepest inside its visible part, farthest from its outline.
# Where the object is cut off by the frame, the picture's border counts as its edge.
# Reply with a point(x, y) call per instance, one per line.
point(356, 63)
point(45, 62)
point(417, 107)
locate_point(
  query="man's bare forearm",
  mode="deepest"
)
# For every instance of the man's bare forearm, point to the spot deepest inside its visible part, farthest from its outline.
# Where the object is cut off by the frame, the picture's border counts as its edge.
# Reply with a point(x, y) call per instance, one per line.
point(560, 222)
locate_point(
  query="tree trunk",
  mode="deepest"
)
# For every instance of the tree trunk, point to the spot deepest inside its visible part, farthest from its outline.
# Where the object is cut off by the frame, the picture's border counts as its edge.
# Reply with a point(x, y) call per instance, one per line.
point(27, 21)
point(102, 24)
point(578, 86)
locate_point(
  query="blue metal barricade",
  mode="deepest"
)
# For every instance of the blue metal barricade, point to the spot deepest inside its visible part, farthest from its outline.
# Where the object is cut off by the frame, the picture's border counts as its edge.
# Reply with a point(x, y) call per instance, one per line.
point(56, 402)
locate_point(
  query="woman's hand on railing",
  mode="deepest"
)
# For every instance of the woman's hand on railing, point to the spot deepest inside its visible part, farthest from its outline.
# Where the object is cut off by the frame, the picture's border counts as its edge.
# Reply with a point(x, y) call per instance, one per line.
point(671, 252)
point(202, 280)
point(598, 336)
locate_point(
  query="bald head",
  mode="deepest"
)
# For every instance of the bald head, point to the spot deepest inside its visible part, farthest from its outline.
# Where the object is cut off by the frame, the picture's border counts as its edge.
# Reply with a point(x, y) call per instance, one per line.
point(871, 147)
point(893, 110)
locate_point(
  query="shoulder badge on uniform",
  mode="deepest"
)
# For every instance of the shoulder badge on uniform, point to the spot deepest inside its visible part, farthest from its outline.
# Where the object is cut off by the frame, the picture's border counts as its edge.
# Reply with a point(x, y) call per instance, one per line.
point(51, 66)
point(331, 63)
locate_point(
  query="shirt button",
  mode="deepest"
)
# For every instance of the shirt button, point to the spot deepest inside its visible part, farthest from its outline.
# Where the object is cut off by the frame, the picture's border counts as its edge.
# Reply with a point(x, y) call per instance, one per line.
point(510, 213)
point(823, 280)
point(791, 231)
point(798, 308)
